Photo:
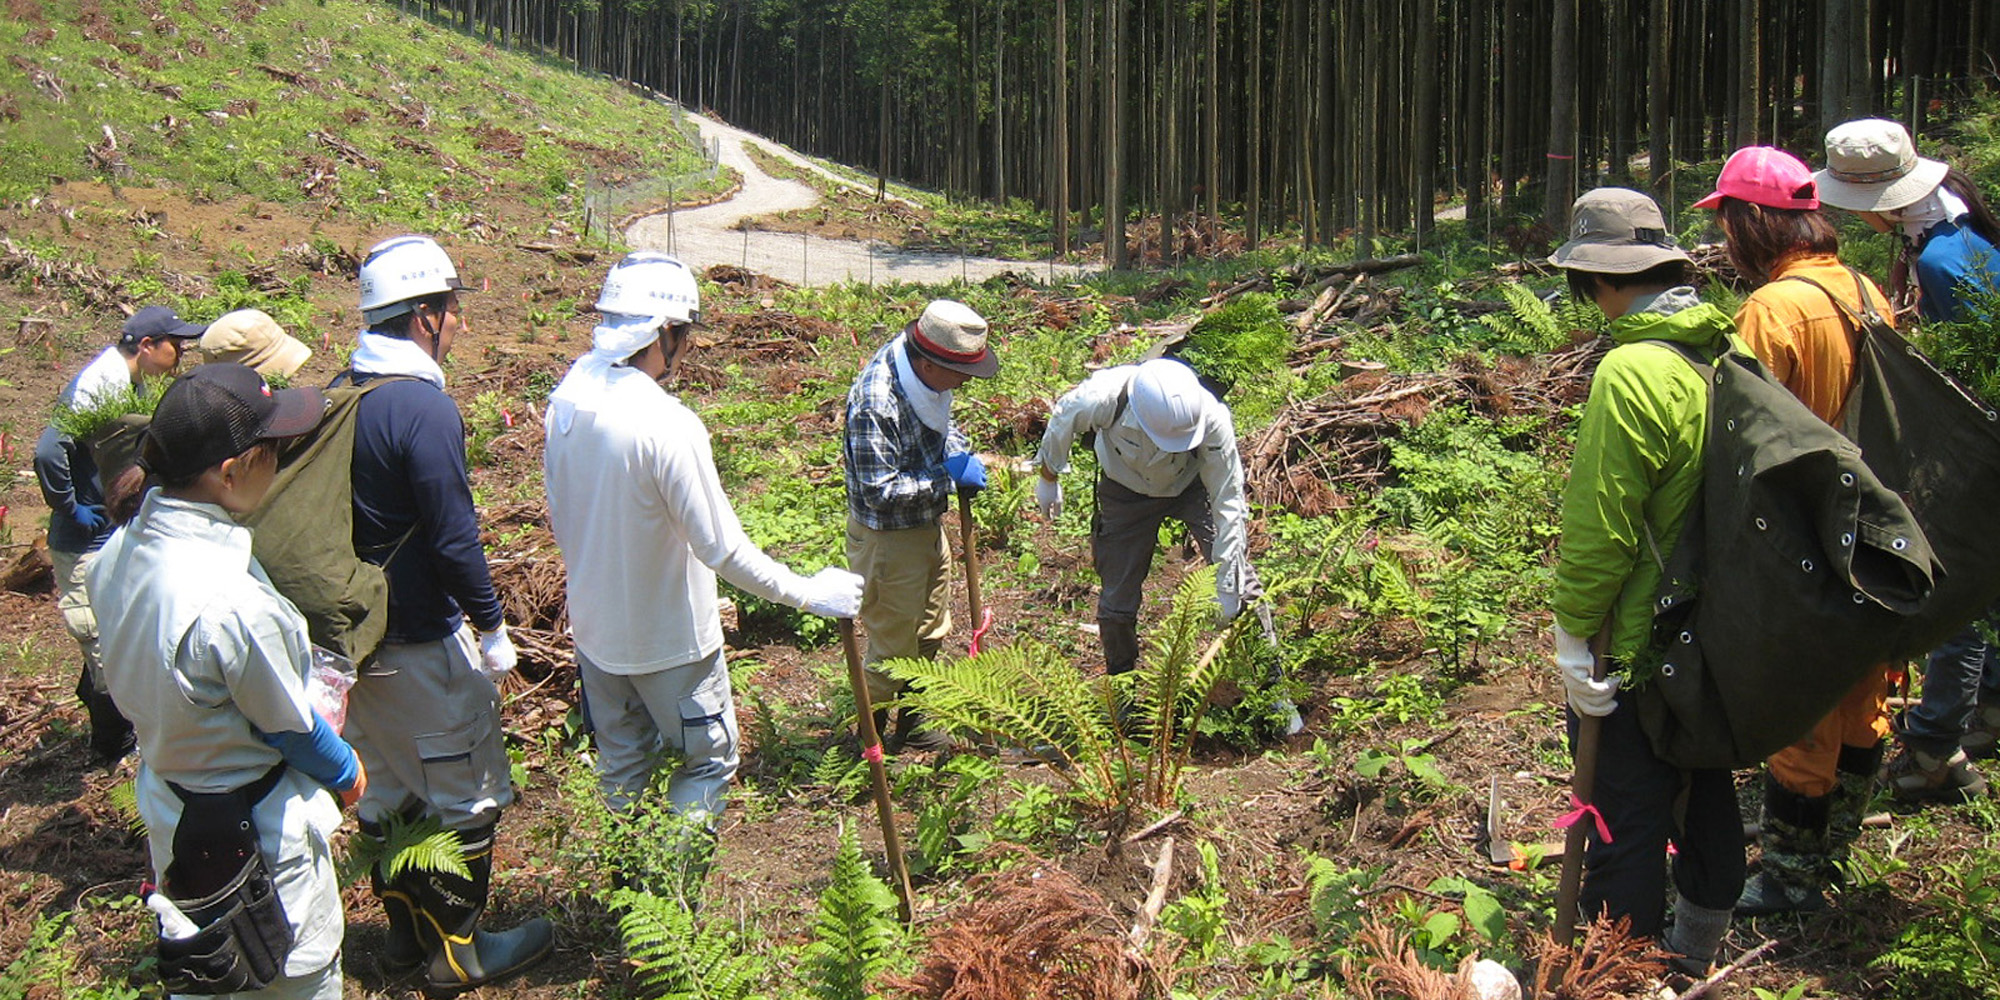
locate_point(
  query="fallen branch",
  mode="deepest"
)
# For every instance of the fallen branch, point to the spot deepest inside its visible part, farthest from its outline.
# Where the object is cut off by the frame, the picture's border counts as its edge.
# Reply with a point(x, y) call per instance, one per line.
point(1155, 827)
point(1156, 898)
point(1716, 978)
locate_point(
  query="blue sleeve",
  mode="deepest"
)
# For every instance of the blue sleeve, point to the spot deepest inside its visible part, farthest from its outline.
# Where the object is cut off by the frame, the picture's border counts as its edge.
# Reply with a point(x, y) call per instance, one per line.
point(443, 498)
point(321, 754)
point(52, 471)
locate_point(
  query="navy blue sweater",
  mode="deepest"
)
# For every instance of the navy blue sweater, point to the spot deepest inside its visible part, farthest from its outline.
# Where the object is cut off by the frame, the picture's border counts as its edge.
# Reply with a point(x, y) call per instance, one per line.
point(409, 477)
point(68, 477)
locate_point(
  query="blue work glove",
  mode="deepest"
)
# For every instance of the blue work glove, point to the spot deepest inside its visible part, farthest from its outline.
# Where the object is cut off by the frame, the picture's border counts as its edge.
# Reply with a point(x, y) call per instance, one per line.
point(91, 518)
point(967, 471)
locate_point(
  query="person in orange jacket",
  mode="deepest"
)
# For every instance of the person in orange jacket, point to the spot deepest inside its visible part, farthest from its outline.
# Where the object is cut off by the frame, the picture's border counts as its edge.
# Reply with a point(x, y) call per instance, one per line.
point(1797, 322)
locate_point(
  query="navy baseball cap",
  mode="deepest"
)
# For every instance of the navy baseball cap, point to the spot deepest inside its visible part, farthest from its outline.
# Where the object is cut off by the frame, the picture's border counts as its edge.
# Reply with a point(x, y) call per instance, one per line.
point(154, 322)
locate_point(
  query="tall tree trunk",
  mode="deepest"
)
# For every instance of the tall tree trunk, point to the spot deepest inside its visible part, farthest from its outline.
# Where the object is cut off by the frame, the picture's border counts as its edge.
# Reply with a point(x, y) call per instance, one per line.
point(1211, 115)
point(1254, 203)
point(1560, 189)
point(1059, 157)
point(1114, 180)
point(1426, 151)
point(1659, 121)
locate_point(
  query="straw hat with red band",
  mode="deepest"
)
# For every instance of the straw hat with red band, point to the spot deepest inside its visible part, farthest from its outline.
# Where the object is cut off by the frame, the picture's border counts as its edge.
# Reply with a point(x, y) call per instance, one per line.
point(950, 335)
point(1764, 175)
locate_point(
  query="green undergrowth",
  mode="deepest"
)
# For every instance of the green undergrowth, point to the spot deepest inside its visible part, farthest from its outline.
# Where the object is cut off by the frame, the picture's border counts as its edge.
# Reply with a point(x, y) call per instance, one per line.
point(348, 106)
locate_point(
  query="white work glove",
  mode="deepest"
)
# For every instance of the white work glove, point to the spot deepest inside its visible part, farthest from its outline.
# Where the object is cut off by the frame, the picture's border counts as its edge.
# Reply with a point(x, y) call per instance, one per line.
point(1048, 496)
point(496, 654)
point(1229, 604)
point(834, 593)
point(1587, 695)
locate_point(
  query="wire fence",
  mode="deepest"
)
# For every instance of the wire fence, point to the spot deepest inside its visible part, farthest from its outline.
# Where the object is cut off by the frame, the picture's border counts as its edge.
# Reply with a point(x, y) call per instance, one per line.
point(611, 198)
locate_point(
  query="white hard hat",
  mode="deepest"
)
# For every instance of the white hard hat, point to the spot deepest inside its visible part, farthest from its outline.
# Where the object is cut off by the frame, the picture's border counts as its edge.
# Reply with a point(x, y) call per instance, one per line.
point(653, 285)
point(400, 270)
point(1168, 401)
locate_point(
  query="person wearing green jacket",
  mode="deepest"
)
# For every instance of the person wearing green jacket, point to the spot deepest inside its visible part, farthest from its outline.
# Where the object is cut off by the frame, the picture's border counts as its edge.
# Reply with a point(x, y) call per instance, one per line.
point(1637, 470)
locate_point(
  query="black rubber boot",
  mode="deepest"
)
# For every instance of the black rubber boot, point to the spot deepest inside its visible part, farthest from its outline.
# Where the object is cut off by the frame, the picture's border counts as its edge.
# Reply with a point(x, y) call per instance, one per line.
point(111, 735)
point(913, 734)
point(1121, 644)
point(1791, 875)
point(451, 905)
point(410, 944)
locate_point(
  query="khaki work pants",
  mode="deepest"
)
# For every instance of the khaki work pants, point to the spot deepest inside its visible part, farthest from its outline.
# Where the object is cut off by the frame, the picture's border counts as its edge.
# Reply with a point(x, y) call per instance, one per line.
point(905, 603)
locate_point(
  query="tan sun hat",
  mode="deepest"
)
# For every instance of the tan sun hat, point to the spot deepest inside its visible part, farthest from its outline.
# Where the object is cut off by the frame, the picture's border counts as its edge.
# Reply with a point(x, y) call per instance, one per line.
point(951, 335)
point(252, 337)
point(1873, 166)
point(1616, 231)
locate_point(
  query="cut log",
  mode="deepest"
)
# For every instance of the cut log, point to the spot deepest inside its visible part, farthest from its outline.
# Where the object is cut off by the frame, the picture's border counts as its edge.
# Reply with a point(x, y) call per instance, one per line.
point(31, 570)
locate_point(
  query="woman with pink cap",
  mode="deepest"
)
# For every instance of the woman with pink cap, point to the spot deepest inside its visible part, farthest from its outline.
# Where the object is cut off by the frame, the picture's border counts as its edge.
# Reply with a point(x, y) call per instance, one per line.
point(1796, 321)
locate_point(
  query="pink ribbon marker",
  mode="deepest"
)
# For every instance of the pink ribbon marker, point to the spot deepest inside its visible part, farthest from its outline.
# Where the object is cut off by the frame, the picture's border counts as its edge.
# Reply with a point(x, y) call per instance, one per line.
point(985, 622)
point(872, 753)
point(1578, 810)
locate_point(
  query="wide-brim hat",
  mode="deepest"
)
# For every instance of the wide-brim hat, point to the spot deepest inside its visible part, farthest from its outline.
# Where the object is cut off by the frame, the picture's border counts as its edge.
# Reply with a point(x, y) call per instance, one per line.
point(1872, 166)
point(1767, 176)
point(951, 335)
point(1617, 231)
point(252, 337)
point(218, 411)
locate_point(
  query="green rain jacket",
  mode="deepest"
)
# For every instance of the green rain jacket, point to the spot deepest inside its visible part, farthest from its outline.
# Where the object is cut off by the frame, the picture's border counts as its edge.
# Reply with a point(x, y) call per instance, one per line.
point(1638, 465)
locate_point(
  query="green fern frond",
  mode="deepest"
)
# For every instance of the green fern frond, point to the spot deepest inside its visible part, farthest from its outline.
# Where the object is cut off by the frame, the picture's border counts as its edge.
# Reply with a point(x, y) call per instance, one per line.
point(406, 845)
point(855, 935)
point(124, 798)
point(678, 957)
point(1027, 695)
point(843, 775)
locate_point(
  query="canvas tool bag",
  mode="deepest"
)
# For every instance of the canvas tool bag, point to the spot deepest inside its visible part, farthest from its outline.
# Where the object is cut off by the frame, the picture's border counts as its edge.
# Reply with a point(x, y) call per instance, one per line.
point(1796, 571)
point(220, 880)
point(303, 534)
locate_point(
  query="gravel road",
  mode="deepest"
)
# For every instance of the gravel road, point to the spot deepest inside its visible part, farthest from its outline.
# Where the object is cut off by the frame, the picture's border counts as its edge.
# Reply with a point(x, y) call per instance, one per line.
point(707, 236)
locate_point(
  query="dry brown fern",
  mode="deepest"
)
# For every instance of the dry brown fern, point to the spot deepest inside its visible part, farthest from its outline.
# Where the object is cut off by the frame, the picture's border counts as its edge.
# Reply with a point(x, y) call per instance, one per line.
point(1611, 963)
point(1030, 932)
point(1391, 970)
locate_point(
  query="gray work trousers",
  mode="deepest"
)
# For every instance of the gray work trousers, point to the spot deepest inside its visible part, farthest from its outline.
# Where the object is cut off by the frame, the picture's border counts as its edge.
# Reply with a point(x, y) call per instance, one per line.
point(687, 708)
point(1123, 534)
point(426, 723)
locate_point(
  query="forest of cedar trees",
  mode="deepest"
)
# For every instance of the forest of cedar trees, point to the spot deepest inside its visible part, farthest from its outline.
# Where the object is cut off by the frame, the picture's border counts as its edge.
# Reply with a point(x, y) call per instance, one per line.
point(1329, 116)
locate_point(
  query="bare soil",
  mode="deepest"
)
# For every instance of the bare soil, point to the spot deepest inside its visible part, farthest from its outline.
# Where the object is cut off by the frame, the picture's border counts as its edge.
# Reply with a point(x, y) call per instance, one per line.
point(61, 841)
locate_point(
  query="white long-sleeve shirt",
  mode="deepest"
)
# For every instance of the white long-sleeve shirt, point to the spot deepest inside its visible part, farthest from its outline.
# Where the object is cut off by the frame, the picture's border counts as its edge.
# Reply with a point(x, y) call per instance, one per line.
point(1129, 457)
point(639, 512)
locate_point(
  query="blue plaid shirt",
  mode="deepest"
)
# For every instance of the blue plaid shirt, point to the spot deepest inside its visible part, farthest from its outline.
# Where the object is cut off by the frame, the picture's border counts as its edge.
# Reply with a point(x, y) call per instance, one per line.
point(895, 464)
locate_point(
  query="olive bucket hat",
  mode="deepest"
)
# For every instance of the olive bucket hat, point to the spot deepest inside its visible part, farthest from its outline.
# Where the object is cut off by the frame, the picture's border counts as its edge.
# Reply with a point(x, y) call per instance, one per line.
point(1616, 231)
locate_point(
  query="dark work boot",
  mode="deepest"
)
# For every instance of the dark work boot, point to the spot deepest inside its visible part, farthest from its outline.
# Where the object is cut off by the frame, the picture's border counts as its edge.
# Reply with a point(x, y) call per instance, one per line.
point(111, 735)
point(1854, 788)
point(1121, 644)
point(409, 943)
point(1791, 875)
point(913, 734)
point(451, 905)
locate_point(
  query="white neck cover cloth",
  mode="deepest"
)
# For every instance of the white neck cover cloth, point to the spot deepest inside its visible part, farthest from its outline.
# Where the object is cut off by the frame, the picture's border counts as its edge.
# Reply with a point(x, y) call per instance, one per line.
point(381, 354)
point(593, 377)
point(1938, 206)
point(932, 406)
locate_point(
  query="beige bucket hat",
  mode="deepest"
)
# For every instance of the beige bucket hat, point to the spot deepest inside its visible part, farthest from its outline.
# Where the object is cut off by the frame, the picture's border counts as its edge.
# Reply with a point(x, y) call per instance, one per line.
point(252, 337)
point(1872, 166)
point(1616, 231)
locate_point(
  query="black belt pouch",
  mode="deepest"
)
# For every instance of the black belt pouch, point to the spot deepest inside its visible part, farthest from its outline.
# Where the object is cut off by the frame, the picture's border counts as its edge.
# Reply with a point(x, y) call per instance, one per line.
point(220, 880)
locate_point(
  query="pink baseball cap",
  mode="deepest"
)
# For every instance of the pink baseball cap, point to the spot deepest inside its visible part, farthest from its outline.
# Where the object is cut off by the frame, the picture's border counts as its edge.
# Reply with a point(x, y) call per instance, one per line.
point(1764, 175)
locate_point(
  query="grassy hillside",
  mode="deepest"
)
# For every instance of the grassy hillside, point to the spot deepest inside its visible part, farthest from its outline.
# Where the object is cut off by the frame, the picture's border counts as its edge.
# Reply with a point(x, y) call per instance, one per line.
point(342, 108)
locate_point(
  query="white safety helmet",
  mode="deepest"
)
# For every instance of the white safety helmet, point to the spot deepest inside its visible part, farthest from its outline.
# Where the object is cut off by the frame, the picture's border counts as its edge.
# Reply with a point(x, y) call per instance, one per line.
point(1169, 402)
point(654, 285)
point(399, 271)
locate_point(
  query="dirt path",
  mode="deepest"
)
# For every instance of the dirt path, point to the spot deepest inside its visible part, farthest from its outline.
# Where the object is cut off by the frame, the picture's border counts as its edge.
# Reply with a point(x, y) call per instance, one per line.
point(707, 236)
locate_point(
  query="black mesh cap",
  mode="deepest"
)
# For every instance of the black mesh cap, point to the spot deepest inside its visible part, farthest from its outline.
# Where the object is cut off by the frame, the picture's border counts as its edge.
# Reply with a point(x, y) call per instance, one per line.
point(218, 411)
